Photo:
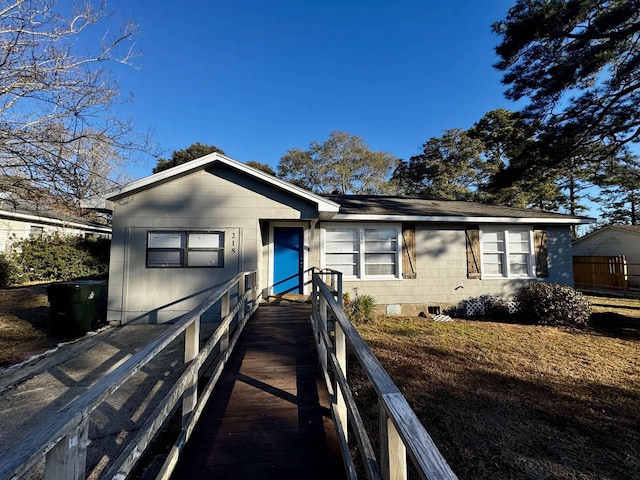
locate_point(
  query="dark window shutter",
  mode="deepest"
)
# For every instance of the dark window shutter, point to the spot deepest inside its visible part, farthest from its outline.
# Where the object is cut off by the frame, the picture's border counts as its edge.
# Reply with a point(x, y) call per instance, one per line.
point(540, 246)
point(473, 253)
point(409, 250)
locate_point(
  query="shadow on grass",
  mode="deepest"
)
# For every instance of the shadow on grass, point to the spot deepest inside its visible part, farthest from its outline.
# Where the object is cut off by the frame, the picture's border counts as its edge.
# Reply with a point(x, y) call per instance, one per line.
point(490, 424)
point(37, 317)
point(615, 325)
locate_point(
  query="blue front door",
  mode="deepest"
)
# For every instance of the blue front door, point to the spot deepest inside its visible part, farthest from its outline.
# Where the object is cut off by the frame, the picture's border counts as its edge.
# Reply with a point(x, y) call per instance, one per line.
point(288, 260)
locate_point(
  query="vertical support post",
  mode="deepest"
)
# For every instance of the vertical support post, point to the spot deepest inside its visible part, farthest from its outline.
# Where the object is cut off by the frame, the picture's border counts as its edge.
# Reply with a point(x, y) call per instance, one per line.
point(242, 289)
point(322, 348)
point(191, 349)
point(68, 458)
point(252, 286)
point(341, 356)
point(393, 453)
point(224, 311)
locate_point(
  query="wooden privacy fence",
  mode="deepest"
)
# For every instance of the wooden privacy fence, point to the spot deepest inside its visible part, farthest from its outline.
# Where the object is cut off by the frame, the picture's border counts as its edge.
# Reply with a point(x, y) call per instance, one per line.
point(600, 272)
point(400, 433)
point(62, 441)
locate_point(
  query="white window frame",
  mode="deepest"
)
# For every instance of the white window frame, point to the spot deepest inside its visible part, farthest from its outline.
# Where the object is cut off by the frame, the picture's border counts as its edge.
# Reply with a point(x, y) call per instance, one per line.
point(360, 263)
point(506, 264)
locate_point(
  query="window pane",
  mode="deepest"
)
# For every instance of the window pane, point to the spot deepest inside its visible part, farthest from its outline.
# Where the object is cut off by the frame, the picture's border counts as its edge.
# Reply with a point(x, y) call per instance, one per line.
point(36, 231)
point(380, 240)
point(164, 258)
point(493, 264)
point(379, 258)
point(380, 269)
point(345, 263)
point(518, 264)
point(339, 241)
point(492, 242)
point(166, 239)
point(519, 242)
point(205, 258)
point(206, 240)
point(380, 264)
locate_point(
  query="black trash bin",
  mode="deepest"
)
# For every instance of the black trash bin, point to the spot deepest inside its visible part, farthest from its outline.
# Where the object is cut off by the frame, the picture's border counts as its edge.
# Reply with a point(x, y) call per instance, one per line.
point(76, 307)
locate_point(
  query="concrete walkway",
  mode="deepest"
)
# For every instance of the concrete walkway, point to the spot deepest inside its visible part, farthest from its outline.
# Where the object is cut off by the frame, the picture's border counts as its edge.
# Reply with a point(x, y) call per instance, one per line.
point(33, 393)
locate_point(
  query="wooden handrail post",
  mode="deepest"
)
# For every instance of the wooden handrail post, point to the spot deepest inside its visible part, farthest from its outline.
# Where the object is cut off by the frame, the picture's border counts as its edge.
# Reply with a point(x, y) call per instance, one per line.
point(68, 458)
point(191, 349)
point(393, 453)
point(341, 356)
point(242, 289)
point(224, 311)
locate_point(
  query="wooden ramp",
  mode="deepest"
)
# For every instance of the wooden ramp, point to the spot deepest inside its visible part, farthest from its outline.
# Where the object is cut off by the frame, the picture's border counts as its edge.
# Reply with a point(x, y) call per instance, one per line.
point(269, 415)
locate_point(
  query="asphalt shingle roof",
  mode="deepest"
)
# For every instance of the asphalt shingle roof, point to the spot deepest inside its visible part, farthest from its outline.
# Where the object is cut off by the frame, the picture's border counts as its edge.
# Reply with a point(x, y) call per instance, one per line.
point(416, 206)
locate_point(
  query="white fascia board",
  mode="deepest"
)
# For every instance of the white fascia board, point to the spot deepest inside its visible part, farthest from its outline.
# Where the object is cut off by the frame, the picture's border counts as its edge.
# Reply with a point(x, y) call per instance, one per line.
point(52, 221)
point(324, 205)
point(459, 219)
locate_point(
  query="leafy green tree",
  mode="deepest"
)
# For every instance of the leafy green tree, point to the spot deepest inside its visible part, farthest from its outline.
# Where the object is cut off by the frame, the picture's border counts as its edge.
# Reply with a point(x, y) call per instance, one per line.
point(515, 175)
point(576, 62)
point(261, 166)
point(449, 168)
point(192, 152)
point(342, 164)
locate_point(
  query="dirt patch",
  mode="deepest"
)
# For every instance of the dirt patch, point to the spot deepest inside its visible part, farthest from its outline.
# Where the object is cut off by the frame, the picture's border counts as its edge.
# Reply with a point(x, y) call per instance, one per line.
point(24, 324)
point(520, 401)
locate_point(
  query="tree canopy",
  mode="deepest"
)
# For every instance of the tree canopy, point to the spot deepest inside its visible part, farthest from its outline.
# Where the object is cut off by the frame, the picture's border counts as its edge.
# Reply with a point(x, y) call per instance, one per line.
point(448, 168)
point(192, 152)
point(56, 96)
point(578, 64)
point(266, 168)
point(342, 164)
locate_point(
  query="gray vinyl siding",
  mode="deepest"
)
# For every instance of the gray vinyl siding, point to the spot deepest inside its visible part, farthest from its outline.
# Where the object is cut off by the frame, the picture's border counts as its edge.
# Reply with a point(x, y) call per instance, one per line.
point(214, 199)
point(441, 267)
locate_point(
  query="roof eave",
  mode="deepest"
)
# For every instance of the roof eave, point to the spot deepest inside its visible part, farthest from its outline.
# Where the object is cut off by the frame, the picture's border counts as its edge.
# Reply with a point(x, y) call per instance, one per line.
point(462, 219)
point(106, 200)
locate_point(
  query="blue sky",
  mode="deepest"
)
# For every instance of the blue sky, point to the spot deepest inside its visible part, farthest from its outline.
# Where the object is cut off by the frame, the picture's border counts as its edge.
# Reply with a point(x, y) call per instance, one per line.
point(257, 78)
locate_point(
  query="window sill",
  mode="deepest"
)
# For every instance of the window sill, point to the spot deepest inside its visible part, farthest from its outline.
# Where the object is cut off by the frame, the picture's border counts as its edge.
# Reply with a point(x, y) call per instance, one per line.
point(370, 279)
point(500, 277)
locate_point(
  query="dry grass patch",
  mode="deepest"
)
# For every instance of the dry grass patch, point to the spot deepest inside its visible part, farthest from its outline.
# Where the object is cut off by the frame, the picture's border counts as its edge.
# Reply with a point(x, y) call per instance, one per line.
point(519, 401)
point(24, 323)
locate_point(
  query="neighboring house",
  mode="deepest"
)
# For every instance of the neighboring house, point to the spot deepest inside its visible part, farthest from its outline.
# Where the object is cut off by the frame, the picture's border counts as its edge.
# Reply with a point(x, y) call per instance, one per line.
point(612, 241)
point(20, 223)
point(179, 233)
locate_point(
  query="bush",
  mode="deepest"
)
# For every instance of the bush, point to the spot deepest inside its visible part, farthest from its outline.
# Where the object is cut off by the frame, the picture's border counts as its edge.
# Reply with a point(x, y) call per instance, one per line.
point(487, 306)
point(56, 257)
point(361, 309)
point(552, 304)
point(6, 270)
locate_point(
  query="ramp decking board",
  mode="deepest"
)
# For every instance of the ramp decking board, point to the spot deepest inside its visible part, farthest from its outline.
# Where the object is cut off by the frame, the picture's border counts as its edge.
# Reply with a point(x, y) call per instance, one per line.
point(269, 415)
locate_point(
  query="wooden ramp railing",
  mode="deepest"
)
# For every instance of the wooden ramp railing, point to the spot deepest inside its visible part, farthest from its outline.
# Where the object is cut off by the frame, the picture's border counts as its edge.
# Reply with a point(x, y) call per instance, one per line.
point(401, 434)
point(62, 442)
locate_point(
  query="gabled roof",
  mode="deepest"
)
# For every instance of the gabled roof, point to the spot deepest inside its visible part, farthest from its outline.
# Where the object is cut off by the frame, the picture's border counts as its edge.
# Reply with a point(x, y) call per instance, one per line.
point(15, 208)
point(49, 220)
point(416, 209)
point(625, 229)
point(103, 202)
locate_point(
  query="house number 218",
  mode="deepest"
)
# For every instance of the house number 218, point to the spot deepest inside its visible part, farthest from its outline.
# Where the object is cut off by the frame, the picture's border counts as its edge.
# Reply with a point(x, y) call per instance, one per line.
point(233, 243)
